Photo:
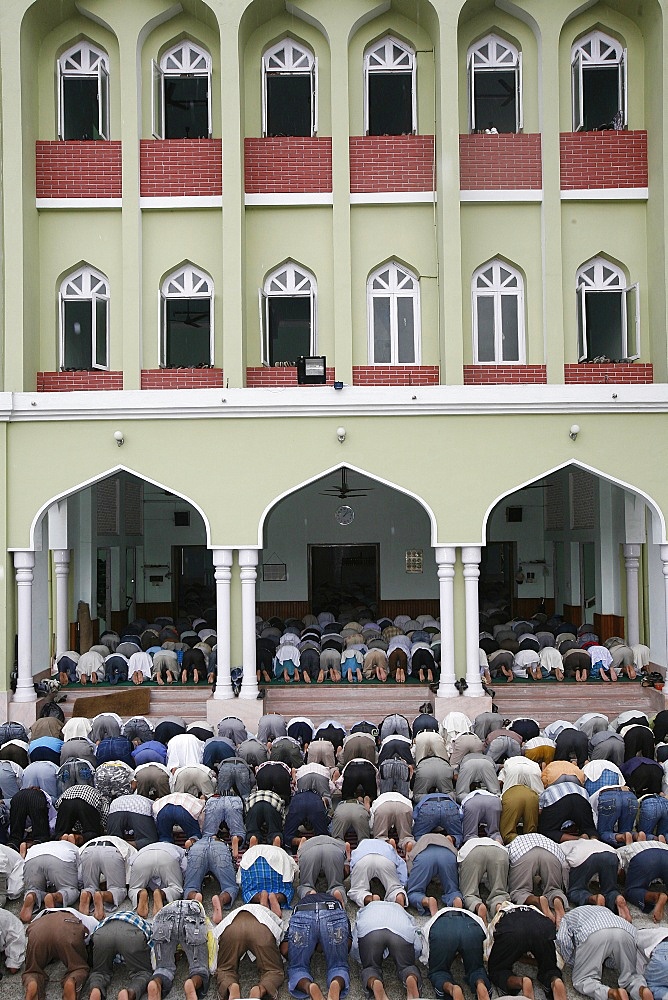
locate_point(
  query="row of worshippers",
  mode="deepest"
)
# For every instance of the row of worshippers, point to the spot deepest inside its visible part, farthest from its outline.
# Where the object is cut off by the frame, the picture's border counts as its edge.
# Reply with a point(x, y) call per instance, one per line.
point(564, 862)
point(163, 651)
point(543, 647)
point(318, 649)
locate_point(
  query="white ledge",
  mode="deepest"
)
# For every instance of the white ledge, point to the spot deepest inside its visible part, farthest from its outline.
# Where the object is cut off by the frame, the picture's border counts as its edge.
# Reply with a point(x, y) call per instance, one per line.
point(78, 203)
point(393, 198)
point(279, 198)
point(606, 194)
point(511, 194)
point(183, 201)
point(295, 401)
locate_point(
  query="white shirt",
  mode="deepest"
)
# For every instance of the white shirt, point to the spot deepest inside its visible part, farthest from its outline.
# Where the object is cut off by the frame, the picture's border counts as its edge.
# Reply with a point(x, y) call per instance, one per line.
point(184, 750)
point(61, 849)
point(262, 914)
point(11, 864)
point(474, 842)
point(127, 851)
point(578, 851)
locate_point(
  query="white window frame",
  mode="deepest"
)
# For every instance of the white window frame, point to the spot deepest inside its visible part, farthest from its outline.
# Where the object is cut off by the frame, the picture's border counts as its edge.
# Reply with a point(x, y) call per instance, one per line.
point(183, 59)
point(402, 283)
point(379, 58)
point(597, 49)
point(290, 280)
point(290, 58)
point(88, 61)
point(500, 55)
point(187, 282)
point(87, 285)
point(496, 289)
point(601, 275)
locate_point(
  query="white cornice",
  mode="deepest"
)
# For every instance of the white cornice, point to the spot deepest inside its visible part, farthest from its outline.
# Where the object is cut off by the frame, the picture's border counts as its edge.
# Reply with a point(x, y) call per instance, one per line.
point(283, 199)
point(393, 198)
point(42, 203)
point(381, 401)
point(511, 194)
point(606, 194)
point(181, 201)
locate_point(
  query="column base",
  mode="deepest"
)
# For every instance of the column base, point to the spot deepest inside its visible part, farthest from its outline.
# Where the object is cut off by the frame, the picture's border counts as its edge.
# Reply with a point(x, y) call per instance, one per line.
point(248, 711)
point(223, 692)
point(24, 712)
point(471, 706)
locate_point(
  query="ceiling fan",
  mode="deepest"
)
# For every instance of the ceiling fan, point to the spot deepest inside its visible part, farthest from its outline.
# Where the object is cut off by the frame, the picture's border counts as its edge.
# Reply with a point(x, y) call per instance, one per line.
point(343, 491)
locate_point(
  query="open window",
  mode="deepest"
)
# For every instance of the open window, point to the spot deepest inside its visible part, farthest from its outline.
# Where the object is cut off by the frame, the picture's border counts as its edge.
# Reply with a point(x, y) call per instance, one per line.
point(83, 93)
point(608, 313)
point(186, 319)
point(288, 315)
point(84, 320)
point(393, 294)
point(182, 93)
point(498, 314)
point(598, 74)
point(495, 86)
point(289, 90)
point(389, 77)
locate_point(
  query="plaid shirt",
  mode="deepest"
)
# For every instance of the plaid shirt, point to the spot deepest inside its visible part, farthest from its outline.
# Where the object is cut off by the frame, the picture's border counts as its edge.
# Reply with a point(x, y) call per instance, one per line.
point(521, 845)
point(132, 918)
point(266, 795)
point(559, 790)
point(583, 921)
point(86, 794)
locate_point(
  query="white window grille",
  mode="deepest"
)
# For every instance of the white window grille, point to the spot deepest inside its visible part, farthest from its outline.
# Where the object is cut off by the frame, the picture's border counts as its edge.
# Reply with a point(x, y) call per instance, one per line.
point(498, 313)
point(393, 308)
point(83, 93)
point(495, 86)
point(608, 313)
point(598, 80)
point(182, 93)
point(84, 320)
point(390, 103)
point(186, 318)
point(289, 90)
point(288, 315)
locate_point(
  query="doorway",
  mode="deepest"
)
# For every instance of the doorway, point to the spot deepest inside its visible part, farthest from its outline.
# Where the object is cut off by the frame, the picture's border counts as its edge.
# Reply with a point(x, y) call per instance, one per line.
point(341, 575)
point(193, 583)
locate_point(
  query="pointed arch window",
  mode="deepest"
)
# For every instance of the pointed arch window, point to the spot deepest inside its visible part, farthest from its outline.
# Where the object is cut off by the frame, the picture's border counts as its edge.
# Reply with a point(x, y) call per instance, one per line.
point(182, 93)
point(83, 93)
point(498, 314)
point(393, 294)
point(84, 320)
point(608, 313)
point(389, 78)
point(186, 299)
point(598, 76)
point(289, 90)
point(288, 315)
point(495, 86)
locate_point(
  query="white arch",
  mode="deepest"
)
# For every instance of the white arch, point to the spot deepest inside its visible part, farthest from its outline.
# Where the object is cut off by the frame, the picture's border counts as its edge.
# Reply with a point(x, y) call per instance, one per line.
point(362, 472)
point(651, 503)
point(105, 475)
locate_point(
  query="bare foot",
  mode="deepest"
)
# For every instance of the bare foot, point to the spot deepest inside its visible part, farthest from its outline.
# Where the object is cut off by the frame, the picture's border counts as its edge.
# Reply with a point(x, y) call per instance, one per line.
point(481, 910)
point(25, 913)
point(217, 910)
point(412, 991)
point(98, 906)
point(622, 909)
point(234, 992)
point(527, 987)
point(657, 912)
point(85, 899)
point(159, 679)
point(142, 903)
point(95, 994)
point(558, 989)
point(559, 910)
point(253, 841)
point(377, 988)
point(337, 894)
point(69, 989)
point(481, 991)
point(274, 904)
point(235, 847)
point(401, 899)
point(189, 990)
point(158, 901)
point(31, 990)
point(154, 989)
point(307, 680)
point(315, 992)
point(617, 994)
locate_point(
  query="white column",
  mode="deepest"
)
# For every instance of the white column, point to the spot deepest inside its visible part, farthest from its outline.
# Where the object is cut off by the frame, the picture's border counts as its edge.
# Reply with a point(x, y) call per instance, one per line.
point(471, 561)
point(445, 560)
point(664, 566)
point(61, 562)
point(631, 564)
point(248, 559)
point(222, 560)
point(24, 562)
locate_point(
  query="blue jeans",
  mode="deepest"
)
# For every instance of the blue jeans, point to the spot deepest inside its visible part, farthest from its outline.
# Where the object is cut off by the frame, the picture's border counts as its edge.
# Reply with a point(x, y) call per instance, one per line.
point(434, 862)
point(456, 933)
point(227, 809)
point(656, 972)
point(645, 868)
point(313, 924)
point(616, 813)
point(209, 855)
point(653, 816)
point(181, 923)
point(435, 810)
point(605, 866)
point(172, 815)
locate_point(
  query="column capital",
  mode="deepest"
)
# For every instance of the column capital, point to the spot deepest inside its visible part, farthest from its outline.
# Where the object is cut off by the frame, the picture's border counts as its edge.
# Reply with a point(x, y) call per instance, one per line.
point(222, 556)
point(445, 554)
point(631, 550)
point(663, 549)
point(25, 559)
point(248, 558)
point(471, 553)
point(61, 559)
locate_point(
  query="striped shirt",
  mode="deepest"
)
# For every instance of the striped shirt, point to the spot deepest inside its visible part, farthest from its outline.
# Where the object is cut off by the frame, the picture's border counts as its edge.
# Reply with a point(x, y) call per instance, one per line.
point(628, 852)
point(521, 845)
point(578, 924)
point(559, 790)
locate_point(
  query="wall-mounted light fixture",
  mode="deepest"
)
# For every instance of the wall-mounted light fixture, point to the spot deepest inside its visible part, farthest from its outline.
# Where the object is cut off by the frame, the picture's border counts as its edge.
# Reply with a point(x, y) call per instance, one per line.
point(341, 434)
point(118, 438)
point(574, 431)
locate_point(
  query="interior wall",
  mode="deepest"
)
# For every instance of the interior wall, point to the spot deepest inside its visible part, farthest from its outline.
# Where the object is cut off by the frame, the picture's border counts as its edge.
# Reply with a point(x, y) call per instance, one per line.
point(387, 517)
point(529, 538)
point(160, 534)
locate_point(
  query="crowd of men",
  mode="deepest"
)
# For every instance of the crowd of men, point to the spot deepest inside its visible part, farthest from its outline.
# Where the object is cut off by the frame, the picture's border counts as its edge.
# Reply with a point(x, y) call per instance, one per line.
point(487, 839)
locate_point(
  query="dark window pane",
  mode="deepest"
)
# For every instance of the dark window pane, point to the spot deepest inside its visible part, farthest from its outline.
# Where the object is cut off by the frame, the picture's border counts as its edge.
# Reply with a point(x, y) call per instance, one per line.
point(390, 103)
point(603, 311)
point(289, 104)
point(186, 107)
point(600, 85)
point(405, 331)
point(495, 100)
point(80, 114)
point(382, 352)
point(100, 332)
point(187, 341)
point(485, 307)
point(509, 320)
point(78, 332)
point(289, 328)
